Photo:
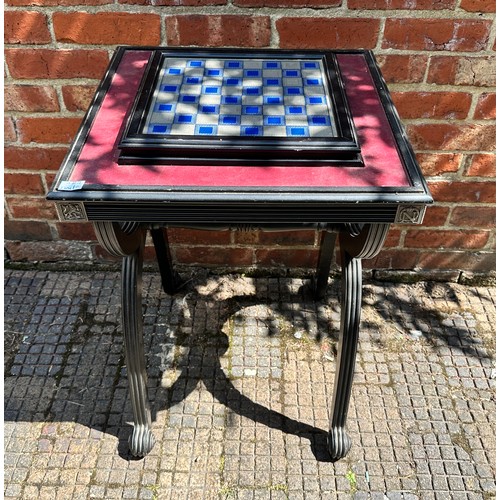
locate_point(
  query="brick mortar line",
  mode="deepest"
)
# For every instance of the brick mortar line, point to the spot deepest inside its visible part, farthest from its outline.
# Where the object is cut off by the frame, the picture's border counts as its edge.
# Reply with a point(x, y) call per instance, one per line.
point(274, 42)
point(79, 81)
point(425, 76)
point(425, 86)
point(452, 151)
point(381, 34)
point(230, 9)
point(493, 38)
point(457, 176)
point(63, 113)
point(379, 51)
point(45, 184)
point(440, 121)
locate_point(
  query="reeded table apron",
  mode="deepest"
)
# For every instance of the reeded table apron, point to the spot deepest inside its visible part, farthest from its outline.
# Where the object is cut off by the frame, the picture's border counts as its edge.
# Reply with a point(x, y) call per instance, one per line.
point(241, 139)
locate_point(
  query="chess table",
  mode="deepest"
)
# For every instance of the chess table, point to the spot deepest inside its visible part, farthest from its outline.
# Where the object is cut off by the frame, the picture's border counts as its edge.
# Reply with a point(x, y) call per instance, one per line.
point(241, 139)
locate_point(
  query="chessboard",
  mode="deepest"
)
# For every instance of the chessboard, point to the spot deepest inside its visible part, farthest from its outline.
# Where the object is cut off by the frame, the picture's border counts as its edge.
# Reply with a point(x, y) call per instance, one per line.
point(241, 97)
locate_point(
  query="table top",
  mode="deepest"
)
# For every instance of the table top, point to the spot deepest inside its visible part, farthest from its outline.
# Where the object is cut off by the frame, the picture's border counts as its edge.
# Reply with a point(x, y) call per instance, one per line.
point(388, 176)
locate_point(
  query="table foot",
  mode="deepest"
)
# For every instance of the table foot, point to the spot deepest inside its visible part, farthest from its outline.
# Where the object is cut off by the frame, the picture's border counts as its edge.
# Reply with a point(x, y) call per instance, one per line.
point(339, 443)
point(141, 441)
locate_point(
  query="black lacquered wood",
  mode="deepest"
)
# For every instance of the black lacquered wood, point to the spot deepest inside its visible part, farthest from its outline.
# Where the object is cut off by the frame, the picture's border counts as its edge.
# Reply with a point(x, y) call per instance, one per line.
point(142, 440)
point(326, 252)
point(356, 243)
point(170, 279)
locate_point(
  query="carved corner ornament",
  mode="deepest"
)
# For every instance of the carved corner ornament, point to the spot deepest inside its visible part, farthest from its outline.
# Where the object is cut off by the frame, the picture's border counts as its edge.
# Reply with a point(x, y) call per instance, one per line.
point(410, 214)
point(71, 211)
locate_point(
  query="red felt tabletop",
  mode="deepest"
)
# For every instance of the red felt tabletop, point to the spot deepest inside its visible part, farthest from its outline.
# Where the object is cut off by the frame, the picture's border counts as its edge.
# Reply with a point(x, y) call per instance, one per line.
point(98, 159)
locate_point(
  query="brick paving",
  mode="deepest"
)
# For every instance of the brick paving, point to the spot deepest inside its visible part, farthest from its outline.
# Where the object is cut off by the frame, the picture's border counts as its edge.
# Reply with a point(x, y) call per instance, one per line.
point(241, 375)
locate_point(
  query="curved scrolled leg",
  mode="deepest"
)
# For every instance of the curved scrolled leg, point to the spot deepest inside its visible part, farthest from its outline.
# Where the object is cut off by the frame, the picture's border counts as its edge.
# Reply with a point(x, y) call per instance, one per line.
point(141, 442)
point(119, 239)
point(356, 243)
point(126, 239)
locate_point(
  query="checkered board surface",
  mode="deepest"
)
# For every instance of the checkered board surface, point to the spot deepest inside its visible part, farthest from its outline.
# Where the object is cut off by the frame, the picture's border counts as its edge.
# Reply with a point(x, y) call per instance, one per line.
point(241, 97)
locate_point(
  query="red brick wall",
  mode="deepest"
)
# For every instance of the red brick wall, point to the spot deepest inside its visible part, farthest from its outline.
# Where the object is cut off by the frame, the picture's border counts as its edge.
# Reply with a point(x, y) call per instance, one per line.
point(438, 57)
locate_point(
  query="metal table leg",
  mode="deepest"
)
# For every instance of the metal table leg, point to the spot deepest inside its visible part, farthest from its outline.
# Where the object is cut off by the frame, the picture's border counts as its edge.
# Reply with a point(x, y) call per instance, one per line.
point(356, 243)
point(128, 242)
point(170, 279)
point(326, 252)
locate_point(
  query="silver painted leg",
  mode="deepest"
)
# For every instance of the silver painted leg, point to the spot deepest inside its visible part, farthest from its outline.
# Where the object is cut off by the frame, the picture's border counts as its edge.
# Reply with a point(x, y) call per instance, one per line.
point(356, 242)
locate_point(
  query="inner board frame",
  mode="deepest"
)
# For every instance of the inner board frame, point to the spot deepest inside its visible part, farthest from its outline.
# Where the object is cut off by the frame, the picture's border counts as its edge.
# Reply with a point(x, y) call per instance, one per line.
point(137, 146)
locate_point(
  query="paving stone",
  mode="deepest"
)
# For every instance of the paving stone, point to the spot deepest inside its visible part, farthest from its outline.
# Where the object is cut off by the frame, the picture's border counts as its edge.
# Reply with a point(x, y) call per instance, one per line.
point(241, 373)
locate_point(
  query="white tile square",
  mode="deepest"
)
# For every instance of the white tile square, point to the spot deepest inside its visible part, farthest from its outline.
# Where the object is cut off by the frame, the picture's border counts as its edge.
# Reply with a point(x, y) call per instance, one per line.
point(182, 129)
point(229, 130)
point(207, 119)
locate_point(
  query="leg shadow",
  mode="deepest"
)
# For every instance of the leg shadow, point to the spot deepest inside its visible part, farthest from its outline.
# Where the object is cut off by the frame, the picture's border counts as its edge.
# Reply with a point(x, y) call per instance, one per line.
point(206, 343)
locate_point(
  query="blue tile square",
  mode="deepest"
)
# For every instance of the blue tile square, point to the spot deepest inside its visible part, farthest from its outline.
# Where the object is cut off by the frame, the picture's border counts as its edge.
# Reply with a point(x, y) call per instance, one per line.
point(229, 120)
point(297, 131)
point(205, 130)
point(208, 89)
point(184, 118)
point(170, 88)
point(231, 99)
point(251, 131)
point(320, 120)
point(253, 73)
point(165, 108)
point(233, 64)
point(272, 65)
point(252, 110)
point(188, 98)
point(159, 129)
point(174, 71)
point(312, 81)
point(213, 72)
point(195, 64)
point(295, 110)
point(292, 73)
point(316, 99)
point(310, 65)
point(293, 91)
point(272, 82)
point(274, 120)
point(273, 99)
point(232, 81)
point(192, 80)
point(252, 91)
point(209, 109)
